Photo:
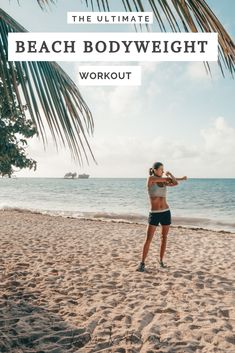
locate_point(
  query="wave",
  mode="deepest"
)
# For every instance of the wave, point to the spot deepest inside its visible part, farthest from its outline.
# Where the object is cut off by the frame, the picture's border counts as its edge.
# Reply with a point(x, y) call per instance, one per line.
point(204, 223)
point(186, 222)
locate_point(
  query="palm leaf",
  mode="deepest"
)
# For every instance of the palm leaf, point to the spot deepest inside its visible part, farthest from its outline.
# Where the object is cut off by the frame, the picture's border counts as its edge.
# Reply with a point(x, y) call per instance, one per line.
point(186, 15)
point(45, 87)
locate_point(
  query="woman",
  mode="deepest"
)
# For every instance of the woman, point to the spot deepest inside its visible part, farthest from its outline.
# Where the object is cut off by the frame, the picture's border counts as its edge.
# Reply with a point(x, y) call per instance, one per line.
point(160, 212)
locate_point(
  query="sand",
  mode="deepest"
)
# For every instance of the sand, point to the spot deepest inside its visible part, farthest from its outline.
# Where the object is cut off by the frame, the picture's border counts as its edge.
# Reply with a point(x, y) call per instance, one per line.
point(70, 285)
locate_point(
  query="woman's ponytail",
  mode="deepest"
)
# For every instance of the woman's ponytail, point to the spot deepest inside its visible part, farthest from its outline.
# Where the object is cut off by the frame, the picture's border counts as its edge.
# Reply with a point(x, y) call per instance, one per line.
point(156, 165)
point(151, 171)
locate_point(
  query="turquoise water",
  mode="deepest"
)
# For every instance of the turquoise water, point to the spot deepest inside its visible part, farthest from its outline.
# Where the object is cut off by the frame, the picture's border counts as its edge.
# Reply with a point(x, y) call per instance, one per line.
point(206, 203)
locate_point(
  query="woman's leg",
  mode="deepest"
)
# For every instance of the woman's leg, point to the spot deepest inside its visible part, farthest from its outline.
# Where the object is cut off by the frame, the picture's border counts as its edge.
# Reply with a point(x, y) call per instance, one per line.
point(150, 233)
point(165, 230)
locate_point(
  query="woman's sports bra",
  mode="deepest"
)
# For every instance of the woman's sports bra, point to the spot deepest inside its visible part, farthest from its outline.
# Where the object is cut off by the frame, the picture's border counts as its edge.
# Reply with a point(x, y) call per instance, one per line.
point(155, 190)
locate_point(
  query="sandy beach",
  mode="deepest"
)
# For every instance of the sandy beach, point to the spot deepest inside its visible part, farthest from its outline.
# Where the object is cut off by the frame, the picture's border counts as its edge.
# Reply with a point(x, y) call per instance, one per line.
point(70, 285)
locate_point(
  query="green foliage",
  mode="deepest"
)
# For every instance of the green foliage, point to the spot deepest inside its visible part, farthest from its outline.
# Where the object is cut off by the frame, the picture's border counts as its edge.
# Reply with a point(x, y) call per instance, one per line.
point(15, 128)
point(53, 100)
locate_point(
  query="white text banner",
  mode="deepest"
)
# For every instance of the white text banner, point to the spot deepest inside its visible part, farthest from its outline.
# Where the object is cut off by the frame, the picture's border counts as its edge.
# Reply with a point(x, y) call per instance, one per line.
point(112, 47)
point(109, 75)
point(109, 17)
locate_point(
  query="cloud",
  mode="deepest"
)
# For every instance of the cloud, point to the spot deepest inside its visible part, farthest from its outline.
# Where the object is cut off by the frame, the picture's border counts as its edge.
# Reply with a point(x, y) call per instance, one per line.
point(122, 98)
point(216, 158)
point(119, 102)
point(196, 71)
point(219, 140)
point(207, 157)
point(131, 156)
point(211, 155)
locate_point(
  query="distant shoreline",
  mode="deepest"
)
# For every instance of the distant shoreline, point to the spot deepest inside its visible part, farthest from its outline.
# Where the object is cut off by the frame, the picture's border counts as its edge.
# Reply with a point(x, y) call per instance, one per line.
point(32, 177)
point(110, 220)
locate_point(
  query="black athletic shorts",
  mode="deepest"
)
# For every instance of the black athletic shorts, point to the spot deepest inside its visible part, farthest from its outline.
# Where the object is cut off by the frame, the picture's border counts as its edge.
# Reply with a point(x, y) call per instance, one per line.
point(164, 218)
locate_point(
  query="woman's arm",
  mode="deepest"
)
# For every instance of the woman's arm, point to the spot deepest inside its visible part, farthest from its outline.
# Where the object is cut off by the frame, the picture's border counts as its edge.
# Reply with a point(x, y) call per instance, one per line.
point(154, 179)
point(174, 180)
point(169, 181)
point(183, 178)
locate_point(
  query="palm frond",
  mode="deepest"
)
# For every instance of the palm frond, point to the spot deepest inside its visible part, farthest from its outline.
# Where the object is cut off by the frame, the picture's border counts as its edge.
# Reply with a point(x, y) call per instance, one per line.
point(43, 3)
point(179, 15)
point(45, 87)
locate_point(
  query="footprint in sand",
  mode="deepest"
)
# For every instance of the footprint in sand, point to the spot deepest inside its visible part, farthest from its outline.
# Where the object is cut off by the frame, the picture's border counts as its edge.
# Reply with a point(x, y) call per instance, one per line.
point(177, 274)
point(118, 317)
point(230, 339)
point(114, 254)
point(115, 274)
point(194, 327)
point(189, 277)
point(128, 320)
point(102, 321)
point(145, 321)
point(199, 285)
point(164, 293)
point(187, 319)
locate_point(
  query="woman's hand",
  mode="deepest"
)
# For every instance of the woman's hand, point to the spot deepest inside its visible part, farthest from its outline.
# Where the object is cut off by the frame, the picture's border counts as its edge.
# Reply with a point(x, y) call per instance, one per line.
point(168, 174)
point(172, 178)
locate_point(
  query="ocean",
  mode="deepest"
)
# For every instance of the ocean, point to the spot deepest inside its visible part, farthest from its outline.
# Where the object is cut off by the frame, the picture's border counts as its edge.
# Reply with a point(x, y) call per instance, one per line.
point(201, 203)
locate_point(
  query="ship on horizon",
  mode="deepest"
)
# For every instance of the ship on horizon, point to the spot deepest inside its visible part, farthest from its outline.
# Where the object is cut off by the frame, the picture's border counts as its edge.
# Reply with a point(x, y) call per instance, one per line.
point(70, 175)
point(83, 176)
point(75, 176)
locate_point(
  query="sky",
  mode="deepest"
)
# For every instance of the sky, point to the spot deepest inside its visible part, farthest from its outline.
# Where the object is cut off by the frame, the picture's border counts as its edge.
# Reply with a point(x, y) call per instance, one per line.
point(179, 115)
